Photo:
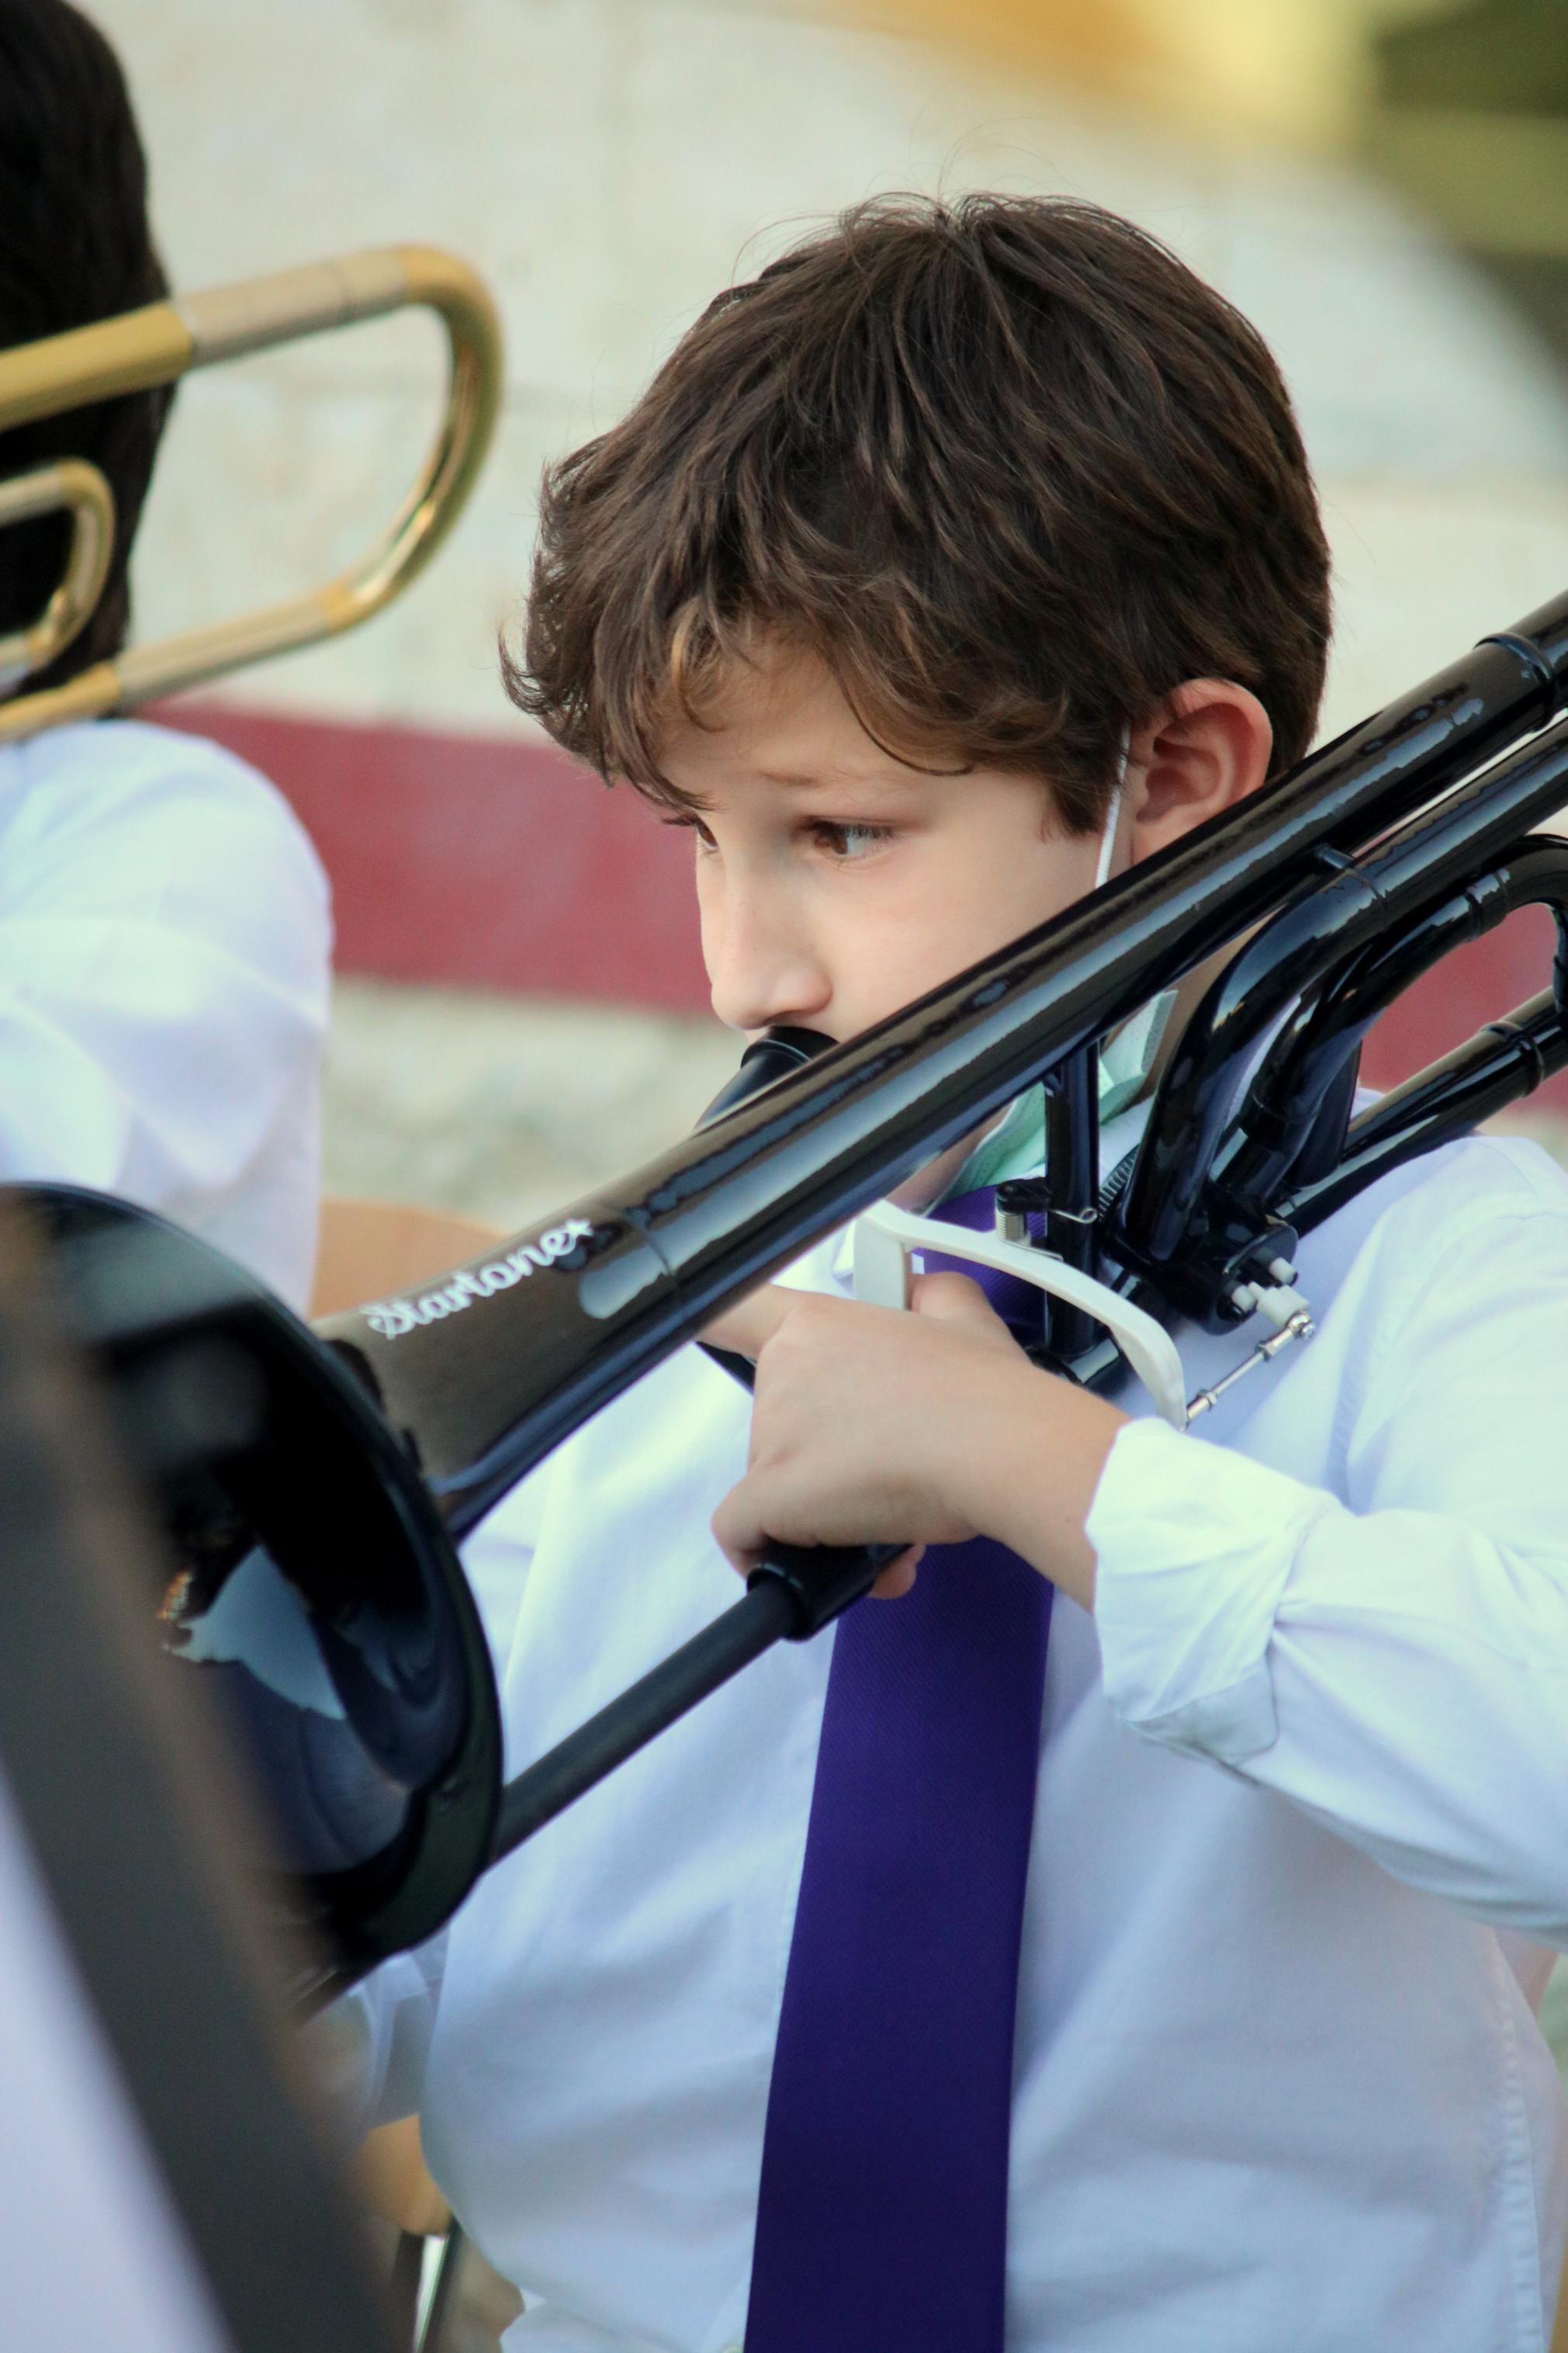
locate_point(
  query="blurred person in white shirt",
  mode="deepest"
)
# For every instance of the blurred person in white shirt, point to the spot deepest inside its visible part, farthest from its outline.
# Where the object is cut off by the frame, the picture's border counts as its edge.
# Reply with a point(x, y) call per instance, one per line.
point(165, 923)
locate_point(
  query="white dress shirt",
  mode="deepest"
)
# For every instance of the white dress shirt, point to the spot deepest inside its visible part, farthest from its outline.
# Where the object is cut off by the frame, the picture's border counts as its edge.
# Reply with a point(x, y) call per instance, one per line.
point(165, 954)
point(1303, 1830)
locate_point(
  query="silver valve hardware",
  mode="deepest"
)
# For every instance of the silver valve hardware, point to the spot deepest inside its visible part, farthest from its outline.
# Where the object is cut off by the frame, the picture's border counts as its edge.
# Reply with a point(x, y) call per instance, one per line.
point(1293, 1319)
point(1013, 1222)
point(1277, 1299)
point(1022, 1197)
point(887, 1240)
point(1012, 1213)
point(1246, 1298)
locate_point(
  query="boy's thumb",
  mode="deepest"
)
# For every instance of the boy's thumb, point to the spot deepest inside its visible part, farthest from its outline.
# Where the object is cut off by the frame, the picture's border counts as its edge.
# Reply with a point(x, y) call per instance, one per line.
point(952, 1298)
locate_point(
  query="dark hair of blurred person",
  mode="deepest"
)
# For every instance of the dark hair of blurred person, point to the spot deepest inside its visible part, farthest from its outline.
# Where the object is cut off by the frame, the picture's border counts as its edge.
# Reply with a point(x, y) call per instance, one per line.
point(75, 247)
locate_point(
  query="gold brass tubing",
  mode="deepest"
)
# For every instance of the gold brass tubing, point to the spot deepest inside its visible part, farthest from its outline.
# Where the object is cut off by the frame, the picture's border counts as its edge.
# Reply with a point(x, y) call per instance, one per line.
point(91, 363)
point(169, 340)
point(70, 483)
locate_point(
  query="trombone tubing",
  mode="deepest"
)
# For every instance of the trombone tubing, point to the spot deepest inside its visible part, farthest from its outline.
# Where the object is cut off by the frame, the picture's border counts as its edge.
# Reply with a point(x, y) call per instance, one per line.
point(168, 339)
point(82, 491)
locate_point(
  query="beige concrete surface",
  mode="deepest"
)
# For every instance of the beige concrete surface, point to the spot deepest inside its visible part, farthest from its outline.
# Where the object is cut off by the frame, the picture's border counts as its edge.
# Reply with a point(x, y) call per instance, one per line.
point(502, 1108)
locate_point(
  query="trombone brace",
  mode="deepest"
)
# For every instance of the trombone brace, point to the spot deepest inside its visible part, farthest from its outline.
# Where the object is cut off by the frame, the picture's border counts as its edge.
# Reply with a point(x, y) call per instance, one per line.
point(886, 1242)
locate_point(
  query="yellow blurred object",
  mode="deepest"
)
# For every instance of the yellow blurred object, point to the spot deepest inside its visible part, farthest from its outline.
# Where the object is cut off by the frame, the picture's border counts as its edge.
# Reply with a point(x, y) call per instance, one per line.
point(1228, 71)
point(370, 1248)
point(1498, 182)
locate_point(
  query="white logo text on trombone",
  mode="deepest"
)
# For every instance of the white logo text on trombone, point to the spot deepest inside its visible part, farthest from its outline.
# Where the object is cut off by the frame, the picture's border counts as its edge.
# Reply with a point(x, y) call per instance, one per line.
point(391, 1317)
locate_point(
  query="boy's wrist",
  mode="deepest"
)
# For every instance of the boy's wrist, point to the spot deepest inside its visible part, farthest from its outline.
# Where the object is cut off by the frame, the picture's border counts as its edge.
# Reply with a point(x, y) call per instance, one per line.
point(1029, 1474)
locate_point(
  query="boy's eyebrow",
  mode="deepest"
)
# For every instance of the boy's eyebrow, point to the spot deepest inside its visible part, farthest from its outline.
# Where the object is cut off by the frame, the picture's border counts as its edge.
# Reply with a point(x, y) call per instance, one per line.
point(813, 780)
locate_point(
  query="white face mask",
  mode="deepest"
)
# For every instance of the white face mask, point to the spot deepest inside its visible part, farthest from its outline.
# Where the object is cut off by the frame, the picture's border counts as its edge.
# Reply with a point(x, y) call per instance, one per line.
point(1127, 1056)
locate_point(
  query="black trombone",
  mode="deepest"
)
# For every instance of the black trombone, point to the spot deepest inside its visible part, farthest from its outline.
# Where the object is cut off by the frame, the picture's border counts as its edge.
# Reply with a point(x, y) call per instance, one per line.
point(325, 1480)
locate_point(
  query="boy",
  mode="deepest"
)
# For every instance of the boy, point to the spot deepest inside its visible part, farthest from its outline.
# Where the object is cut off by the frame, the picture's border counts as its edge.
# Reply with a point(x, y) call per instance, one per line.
point(968, 551)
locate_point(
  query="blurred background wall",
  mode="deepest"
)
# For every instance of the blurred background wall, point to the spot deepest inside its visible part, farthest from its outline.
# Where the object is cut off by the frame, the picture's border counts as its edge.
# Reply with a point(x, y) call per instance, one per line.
point(1381, 185)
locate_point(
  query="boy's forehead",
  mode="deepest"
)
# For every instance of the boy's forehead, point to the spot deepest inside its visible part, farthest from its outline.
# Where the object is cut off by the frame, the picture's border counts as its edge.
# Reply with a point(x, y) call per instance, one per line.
point(781, 719)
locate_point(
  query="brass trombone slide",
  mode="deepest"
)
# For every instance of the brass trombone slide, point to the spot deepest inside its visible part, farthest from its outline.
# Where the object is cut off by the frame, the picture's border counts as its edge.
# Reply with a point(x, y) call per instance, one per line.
point(70, 483)
point(169, 340)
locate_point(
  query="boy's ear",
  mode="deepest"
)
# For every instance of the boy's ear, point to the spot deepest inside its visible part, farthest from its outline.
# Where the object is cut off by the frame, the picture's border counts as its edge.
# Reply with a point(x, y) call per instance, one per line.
point(1205, 745)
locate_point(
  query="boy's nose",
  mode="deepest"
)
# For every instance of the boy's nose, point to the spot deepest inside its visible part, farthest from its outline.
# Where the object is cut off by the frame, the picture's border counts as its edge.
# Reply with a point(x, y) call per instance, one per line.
point(759, 976)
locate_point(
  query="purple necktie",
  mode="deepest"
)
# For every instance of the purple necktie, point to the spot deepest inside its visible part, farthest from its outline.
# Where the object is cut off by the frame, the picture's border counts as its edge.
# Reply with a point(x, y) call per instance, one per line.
point(882, 2208)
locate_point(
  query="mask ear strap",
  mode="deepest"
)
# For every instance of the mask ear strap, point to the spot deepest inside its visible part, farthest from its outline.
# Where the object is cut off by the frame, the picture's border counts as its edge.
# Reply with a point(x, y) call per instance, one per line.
point(1113, 814)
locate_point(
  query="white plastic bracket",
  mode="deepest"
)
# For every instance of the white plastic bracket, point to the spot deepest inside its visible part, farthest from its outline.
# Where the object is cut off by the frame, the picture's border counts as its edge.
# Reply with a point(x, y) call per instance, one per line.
point(886, 1238)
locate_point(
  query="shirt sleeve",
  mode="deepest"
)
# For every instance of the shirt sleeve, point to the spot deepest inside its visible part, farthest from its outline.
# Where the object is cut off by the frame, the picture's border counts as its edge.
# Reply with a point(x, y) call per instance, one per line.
point(164, 956)
point(1394, 1662)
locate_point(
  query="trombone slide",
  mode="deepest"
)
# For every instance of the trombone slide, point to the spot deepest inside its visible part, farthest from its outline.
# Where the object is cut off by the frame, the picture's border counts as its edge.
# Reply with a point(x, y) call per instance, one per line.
point(166, 341)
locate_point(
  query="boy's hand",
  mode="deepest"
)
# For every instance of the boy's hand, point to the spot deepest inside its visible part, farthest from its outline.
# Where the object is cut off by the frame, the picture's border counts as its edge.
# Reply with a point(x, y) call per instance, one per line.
point(869, 1425)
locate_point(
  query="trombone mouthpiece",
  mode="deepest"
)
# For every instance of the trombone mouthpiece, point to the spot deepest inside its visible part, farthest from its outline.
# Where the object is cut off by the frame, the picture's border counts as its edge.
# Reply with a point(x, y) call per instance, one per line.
point(772, 1056)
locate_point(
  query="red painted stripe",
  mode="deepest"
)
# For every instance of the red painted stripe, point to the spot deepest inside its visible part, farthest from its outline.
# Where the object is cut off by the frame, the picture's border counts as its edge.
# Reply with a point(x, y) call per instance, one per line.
point(477, 859)
point(502, 864)
point(1477, 983)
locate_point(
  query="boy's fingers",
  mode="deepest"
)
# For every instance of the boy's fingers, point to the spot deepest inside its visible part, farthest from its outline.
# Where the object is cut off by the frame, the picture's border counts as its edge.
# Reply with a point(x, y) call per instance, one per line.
point(746, 1326)
point(742, 1539)
point(736, 1529)
point(899, 1577)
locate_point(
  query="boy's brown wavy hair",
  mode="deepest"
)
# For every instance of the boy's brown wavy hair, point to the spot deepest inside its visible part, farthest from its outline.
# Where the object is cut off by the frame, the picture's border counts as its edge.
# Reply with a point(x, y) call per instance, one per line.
point(1005, 465)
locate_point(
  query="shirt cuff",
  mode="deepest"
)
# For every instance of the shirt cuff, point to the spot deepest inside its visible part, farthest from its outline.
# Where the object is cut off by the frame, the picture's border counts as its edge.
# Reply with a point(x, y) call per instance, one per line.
point(1194, 1546)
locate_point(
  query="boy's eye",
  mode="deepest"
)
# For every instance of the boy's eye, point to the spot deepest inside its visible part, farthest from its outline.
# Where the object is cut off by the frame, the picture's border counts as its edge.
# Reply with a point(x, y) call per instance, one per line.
point(692, 825)
point(846, 841)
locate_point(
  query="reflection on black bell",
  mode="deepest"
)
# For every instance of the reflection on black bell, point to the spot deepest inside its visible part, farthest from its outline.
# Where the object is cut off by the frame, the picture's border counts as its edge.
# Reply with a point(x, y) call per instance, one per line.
point(314, 1592)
